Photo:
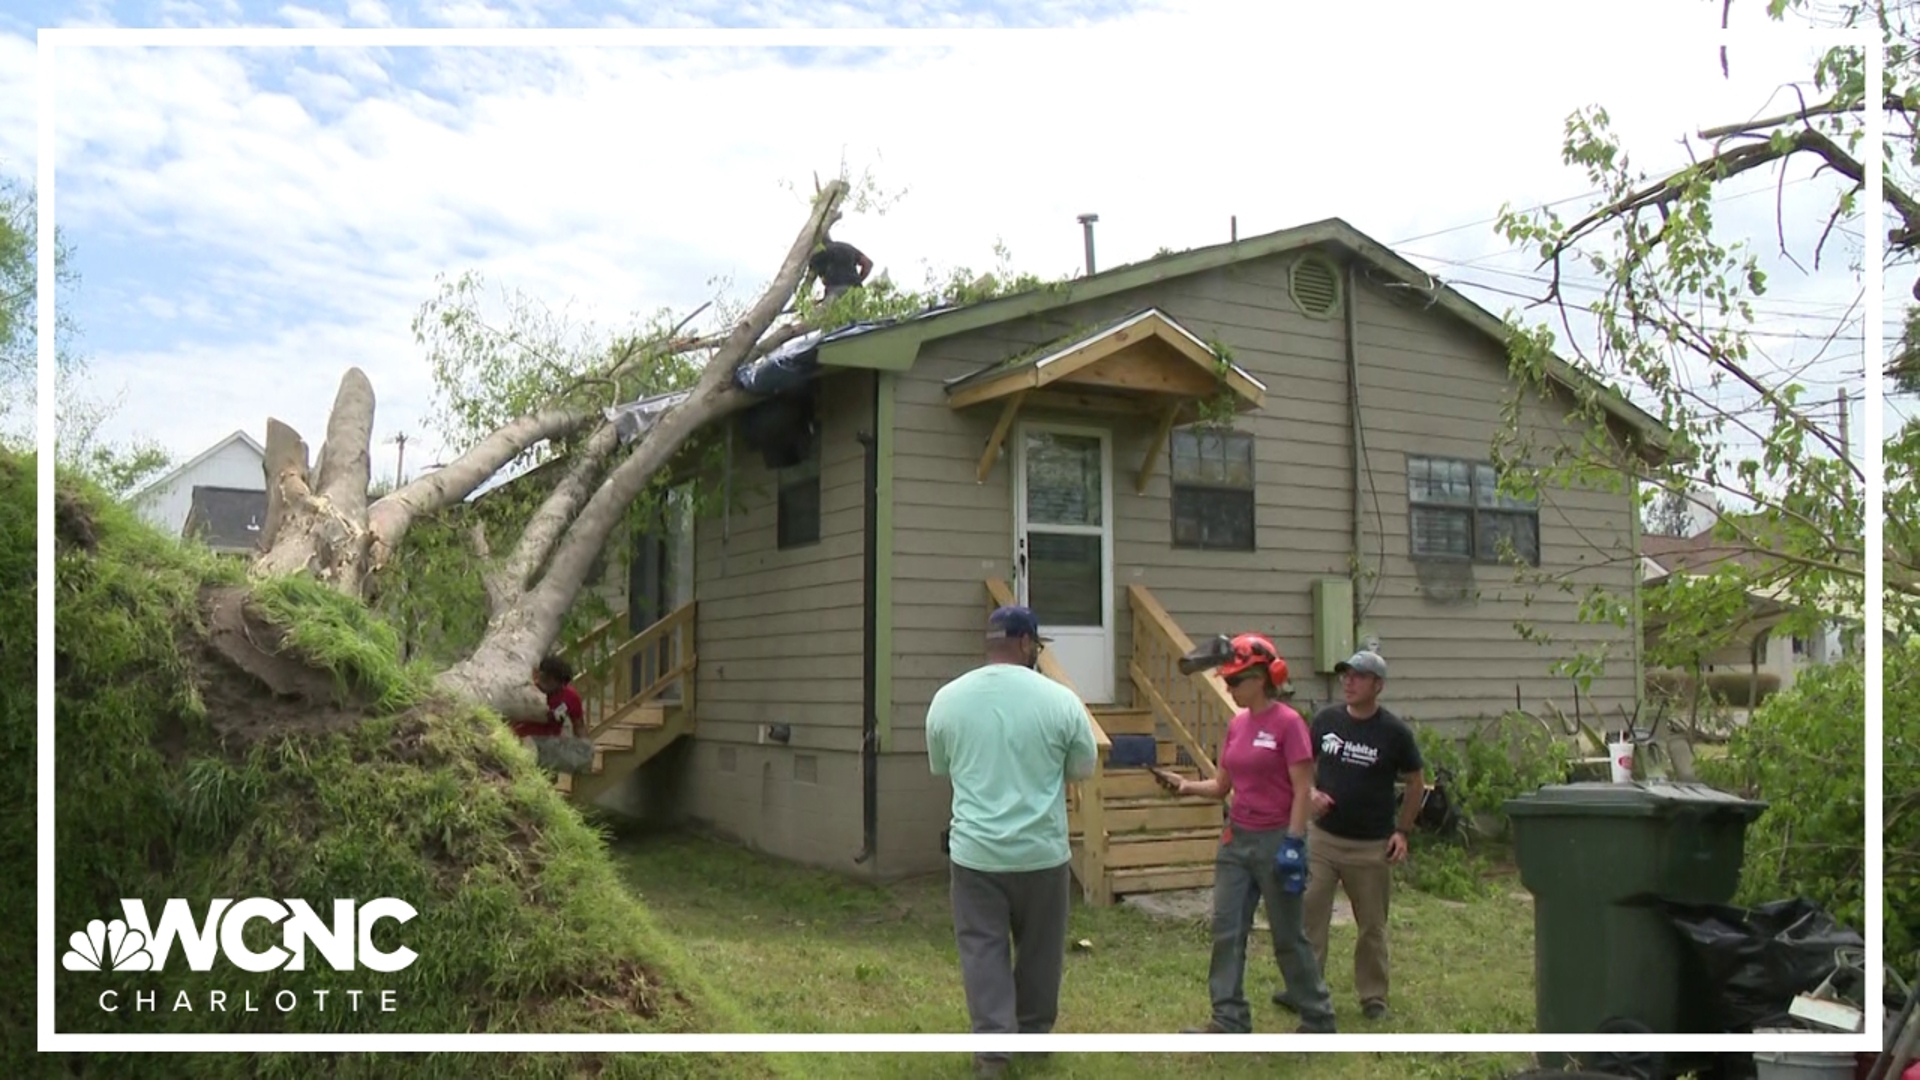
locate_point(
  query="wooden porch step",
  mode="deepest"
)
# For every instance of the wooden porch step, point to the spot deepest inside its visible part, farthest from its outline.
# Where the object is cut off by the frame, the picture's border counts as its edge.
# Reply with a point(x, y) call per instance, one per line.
point(1118, 721)
point(1138, 783)
point(1160, 814)
point(1171, 847)
point(1149, 879)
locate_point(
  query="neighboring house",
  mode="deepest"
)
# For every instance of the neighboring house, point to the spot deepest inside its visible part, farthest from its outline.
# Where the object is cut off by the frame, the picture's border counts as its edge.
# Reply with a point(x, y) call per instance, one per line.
point(1755, 650)
point(217, 489)
point(1044, 446)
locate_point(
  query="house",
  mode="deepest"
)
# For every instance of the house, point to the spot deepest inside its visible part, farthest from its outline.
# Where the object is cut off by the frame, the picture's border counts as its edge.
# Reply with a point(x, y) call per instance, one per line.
point(219, 494)
point(1756, 652)
point(1061, 447)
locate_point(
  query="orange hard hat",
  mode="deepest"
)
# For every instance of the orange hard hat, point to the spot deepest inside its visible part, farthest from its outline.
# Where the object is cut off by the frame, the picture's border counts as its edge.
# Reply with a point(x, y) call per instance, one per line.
point(1251, 651)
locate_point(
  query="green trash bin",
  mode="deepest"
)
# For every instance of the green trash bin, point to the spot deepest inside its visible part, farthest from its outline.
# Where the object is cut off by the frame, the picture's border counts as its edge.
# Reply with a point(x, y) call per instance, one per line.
point(1593, 855)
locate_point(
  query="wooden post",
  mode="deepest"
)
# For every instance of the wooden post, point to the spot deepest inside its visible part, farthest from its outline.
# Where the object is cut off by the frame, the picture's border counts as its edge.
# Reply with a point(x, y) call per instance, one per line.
point(1093, 831)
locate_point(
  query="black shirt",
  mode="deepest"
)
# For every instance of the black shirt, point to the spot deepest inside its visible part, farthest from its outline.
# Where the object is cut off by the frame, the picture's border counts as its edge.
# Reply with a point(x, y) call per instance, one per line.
point(836, 263)
point(1357, 762)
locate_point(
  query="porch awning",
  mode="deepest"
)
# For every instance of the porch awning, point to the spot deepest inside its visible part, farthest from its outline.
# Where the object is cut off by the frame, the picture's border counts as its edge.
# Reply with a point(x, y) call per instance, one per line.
point(1146, 364)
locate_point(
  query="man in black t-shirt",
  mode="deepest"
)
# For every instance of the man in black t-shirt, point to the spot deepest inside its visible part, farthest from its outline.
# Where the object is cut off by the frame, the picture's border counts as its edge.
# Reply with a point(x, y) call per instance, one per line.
point(839, 266)
point(1360, 750)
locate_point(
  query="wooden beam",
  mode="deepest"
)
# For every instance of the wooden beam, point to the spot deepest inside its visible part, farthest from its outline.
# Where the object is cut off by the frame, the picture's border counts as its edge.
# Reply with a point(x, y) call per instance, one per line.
point(999, 436)
point(1062, 401)
point(1155, 448)
point(1150, 367)
point(1100, 348)
point(987, 389)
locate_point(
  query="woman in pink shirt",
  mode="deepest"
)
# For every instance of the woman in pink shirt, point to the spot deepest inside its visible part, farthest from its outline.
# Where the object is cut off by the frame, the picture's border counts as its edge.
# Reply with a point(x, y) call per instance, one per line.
point(1266, 765)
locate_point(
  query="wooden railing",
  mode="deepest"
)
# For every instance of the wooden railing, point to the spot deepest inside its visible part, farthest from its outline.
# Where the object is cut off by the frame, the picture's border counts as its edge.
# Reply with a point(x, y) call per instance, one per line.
point(604, 667)
point(1085, 795)
point(1195, 708)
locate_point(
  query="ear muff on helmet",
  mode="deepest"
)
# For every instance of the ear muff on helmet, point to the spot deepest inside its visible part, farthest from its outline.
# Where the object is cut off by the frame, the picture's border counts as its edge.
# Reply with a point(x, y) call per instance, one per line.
point(1251, 651)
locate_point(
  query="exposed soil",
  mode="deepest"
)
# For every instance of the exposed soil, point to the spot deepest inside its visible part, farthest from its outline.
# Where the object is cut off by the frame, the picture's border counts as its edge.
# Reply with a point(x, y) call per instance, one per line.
point(629, 988)
point(73, 524)
point(254, 685)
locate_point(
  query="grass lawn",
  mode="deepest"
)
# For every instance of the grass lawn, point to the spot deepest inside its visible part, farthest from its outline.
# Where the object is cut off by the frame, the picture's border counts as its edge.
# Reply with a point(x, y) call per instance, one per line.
point(803, 950)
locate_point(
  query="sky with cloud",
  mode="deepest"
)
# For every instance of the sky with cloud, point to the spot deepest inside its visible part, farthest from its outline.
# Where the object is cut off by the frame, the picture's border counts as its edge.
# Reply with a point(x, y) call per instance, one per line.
point(250, 222)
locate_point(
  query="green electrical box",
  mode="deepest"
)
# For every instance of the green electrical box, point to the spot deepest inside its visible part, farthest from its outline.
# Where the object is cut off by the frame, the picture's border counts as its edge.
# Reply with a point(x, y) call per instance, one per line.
point(1332, 622)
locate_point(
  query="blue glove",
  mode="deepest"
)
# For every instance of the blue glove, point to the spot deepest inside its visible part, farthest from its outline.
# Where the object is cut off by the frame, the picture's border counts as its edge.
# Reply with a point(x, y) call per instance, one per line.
point(1291, 864)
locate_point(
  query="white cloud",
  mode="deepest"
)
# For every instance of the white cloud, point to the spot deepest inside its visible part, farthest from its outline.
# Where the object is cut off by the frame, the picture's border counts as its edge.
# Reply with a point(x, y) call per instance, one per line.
point(321, 190)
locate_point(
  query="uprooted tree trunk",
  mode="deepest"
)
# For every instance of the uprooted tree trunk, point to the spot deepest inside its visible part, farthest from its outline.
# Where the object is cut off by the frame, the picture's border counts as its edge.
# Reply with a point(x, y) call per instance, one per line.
point(320, 521)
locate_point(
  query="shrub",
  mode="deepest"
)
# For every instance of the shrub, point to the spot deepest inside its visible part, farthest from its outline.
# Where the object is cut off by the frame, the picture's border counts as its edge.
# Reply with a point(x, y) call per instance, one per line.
point(1803, 753)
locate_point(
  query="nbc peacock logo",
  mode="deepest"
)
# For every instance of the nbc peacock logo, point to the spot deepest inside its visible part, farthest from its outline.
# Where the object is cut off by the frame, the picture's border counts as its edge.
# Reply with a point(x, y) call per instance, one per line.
point(107, 946)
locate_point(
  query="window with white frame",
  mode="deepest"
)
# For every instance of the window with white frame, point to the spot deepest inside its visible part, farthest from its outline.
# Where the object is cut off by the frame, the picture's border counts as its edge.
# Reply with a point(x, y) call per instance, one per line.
point(1455, 511)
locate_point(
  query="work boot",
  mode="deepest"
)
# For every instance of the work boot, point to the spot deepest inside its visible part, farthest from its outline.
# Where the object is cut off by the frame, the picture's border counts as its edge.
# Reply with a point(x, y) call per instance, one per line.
point(1374, 1009)
point(989, 1068)
point(1211, 1027)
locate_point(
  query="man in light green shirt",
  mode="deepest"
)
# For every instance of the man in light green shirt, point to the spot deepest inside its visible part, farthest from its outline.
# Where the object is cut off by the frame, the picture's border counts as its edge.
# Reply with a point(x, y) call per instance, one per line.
point(1010, 739)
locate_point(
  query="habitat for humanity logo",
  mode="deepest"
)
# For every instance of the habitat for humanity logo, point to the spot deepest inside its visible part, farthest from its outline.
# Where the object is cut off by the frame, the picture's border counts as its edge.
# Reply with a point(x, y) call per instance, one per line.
point(135, 944)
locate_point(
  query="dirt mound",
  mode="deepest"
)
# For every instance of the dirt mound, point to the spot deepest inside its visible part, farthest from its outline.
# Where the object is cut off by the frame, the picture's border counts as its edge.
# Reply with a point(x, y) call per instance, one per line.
point(221, 738)
point(254, 683)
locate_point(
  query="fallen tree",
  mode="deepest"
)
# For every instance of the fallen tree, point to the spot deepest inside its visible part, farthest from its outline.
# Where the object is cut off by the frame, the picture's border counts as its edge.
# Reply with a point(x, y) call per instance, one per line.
point(321, 521)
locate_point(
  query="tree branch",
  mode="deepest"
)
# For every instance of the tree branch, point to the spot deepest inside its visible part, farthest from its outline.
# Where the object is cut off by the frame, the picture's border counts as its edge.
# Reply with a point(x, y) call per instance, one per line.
point(550, 522)
point(513, 637)
point(713, 395)
point(391, 517)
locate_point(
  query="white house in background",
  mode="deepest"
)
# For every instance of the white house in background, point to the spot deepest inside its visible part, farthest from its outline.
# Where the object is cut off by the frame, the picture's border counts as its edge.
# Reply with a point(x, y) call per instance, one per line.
point(221, 492)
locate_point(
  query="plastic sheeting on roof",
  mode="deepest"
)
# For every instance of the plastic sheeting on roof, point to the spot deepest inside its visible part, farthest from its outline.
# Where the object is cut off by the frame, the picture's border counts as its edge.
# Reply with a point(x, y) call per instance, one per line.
point(630, 421)
point(781, 371)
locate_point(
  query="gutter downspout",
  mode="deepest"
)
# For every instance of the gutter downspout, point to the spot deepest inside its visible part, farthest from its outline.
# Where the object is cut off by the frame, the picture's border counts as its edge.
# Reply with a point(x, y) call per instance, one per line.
point(1354, 445)
point(870, 659)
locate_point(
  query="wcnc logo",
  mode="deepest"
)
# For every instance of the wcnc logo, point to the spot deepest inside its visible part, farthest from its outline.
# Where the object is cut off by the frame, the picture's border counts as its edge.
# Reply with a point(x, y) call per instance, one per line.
point(134, 944)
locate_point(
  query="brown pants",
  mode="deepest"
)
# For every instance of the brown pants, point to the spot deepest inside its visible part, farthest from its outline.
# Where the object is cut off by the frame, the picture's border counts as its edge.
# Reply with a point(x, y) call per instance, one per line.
point(1361, 868)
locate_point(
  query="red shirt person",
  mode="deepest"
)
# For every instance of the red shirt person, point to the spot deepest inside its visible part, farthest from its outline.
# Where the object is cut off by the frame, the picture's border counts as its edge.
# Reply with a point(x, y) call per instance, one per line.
point(554, 678)
point(1266, 765)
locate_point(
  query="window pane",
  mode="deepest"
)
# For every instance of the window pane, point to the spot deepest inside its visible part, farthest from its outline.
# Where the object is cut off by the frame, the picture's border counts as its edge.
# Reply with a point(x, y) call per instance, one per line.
point(1219, 520)
point(1063, 579)
point(1521, 530)
point(1429, 480)
point(1487, 491)
point(1063, 479)
point(1441, 532)
point(799, 513)
point(1239, 464)
point(1213, 458)
point(1186, 456)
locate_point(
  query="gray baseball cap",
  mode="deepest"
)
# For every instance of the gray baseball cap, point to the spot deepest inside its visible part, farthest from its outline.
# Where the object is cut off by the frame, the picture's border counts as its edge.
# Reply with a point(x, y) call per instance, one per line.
point(1363, 661)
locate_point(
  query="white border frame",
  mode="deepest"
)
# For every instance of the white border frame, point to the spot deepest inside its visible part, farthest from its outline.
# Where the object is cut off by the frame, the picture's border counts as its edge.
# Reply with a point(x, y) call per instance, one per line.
point(1021, 527)
point(50, 1041)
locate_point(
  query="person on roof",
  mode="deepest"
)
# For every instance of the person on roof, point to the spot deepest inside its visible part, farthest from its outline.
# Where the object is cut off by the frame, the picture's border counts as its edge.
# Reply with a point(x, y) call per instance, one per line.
point(840, 266)
point(1266, 765)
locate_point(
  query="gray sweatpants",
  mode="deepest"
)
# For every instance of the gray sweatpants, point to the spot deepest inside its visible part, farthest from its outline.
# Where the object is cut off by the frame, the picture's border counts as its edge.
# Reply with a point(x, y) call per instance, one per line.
point(1011, 930)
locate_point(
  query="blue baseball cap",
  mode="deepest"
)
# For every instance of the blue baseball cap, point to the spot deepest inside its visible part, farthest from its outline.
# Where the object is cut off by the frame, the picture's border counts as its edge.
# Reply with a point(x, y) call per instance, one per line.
point(1014, 621)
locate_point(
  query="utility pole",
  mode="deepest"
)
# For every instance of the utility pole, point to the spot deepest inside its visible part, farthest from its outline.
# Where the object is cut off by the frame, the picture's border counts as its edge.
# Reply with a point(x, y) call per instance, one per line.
point(400, 463)
point(1846, 448)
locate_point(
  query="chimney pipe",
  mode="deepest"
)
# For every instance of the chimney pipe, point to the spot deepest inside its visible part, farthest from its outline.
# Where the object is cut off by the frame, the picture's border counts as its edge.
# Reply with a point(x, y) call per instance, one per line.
point(1086, 226)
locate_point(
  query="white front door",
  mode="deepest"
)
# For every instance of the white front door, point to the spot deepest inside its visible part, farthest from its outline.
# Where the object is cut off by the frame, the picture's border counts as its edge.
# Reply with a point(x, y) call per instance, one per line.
point(1063, 548)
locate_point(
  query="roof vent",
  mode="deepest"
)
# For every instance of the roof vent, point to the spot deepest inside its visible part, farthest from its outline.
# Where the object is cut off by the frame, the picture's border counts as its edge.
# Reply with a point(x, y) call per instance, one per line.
point(1314, 282)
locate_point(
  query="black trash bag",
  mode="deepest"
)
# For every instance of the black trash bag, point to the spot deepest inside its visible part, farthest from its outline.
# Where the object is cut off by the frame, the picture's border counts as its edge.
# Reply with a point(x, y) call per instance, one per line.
point(1757, 960)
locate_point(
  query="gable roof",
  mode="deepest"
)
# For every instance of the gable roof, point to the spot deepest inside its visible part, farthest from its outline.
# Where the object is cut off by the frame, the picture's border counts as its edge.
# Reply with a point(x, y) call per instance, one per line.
point(894, 347)
point(1078, 352)
point(238, 436)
